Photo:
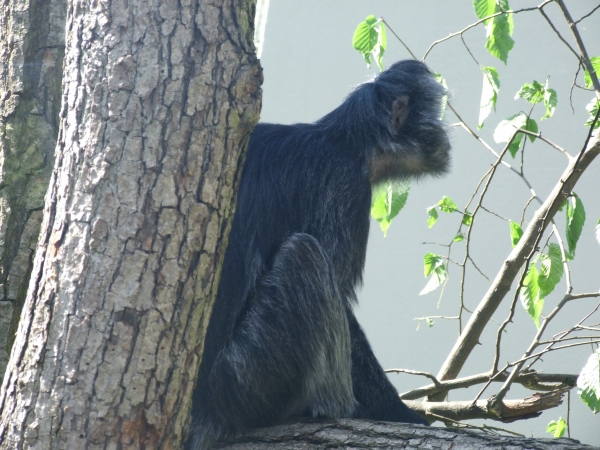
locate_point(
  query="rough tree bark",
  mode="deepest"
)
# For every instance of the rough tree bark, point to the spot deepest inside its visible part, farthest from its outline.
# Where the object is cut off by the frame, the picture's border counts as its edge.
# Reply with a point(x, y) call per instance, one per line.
point(31, 56)
point(159, 98)
point(356, 434)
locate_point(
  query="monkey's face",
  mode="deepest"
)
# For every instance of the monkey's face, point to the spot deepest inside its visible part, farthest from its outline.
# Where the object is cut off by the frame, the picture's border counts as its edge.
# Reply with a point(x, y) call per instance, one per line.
point(416, 142)
point(420, 141)
point(418, 145)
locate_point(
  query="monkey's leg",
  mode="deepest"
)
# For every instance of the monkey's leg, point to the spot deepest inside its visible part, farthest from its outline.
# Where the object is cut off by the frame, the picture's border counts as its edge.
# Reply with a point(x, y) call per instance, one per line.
point(377, 396)
point(290, 353)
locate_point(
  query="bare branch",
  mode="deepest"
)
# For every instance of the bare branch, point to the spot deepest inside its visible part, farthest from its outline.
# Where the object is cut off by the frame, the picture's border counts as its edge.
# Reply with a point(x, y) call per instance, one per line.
point(587, 15)
point(547, 141)
point(474, 24)
point(532, 380)
point(415, 372)
point(546, 350)
point(354, 433)
point(536, 340)
point(511, 266)
point(398, 37)
point(558, 33)
point(559, 336)
point(509, 410)
point(501, 329)
point(586, 295)
point(581, 47)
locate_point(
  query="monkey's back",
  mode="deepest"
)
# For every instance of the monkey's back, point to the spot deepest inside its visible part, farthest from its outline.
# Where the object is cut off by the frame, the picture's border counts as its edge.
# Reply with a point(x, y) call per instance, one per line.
point(281, 193)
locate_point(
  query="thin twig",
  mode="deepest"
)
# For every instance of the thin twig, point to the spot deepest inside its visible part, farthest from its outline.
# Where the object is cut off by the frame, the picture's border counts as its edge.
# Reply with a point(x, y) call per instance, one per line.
point(530, 380)
point(478, 269)
point(585, 295)
point(525, 358)
point(415, 372)
point(577, 327)
point(558, 34)
point(571, 338)
point(485, 19)
point(587, 15)
point(573, 87)
point(547, 141)
point(494, 214)
point(511, 314)
point(583, 55)
point(525, 209)
point(590, 133)
point(398, 37)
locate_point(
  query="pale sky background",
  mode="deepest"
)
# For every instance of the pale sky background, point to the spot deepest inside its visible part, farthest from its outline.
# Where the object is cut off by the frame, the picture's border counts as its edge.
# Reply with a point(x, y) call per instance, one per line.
point(310, 66)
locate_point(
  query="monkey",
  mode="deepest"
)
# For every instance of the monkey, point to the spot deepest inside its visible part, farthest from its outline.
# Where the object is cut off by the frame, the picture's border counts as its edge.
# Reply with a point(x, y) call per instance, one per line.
point(283, 340)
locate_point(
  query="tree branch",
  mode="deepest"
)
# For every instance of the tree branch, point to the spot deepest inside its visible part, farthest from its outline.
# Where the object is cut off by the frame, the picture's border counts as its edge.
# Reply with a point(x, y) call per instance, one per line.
point(506, 411)
point(581, 47)
point(532, 380)
point(362, 434)
point(511, 266)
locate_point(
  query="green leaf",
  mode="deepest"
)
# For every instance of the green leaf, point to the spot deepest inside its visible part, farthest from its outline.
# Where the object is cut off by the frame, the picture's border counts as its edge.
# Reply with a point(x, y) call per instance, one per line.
point(533, 127)
point(379, 205)
point(499, 30)
point(447, 205)
point(435, 269)
point(484, 8)
point(515, 233)
point(430, 262)
point(557, 428)
point(381, 46)
point(575, 221)
point(433, 216)
point(533, 93)
point(430, 322)
point(388, 200)
point(598, 231)
point(365, 38)
point(370, 40)
point(589, 382)
point(550, 100)
point(596, 66)
point(440, 79)
point(515, 145)
point(489, 93)
point(467, 218)
point(459, 237)
point(530, 295)
point(552, 270)
point(507, 127)
point(592, 107)
point(371, 20)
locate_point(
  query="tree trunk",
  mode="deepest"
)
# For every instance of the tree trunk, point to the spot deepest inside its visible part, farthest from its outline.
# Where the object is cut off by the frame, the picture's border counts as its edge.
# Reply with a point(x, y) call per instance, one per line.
point(31, 55)
point(159, 99)
point(349, 433)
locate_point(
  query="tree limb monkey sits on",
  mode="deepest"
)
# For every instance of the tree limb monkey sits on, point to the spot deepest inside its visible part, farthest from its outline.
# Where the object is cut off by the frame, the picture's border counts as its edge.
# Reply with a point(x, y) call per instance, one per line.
point(283, 340)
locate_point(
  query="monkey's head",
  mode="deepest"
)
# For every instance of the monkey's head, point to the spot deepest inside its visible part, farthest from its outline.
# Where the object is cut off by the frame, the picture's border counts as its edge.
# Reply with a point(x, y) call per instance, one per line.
point(412, 140)
point(396, 120)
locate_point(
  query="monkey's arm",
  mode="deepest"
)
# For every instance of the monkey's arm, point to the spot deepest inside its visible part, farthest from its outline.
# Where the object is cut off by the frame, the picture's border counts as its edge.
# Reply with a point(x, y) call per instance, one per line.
point(377, 396)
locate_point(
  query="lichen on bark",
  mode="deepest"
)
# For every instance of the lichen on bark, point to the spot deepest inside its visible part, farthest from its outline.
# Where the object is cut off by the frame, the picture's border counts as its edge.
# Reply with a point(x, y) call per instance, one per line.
point(31, 49)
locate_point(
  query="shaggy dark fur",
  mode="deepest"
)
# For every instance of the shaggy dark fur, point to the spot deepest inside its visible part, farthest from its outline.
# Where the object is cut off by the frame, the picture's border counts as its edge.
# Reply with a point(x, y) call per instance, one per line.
point(283, 339)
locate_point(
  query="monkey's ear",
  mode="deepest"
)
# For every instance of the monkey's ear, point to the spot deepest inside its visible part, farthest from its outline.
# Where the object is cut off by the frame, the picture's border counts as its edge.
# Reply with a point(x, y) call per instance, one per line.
point(399, 112)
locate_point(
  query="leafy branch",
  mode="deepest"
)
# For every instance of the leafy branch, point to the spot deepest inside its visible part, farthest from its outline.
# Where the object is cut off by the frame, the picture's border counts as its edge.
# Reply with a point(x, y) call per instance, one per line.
point(538, 260)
